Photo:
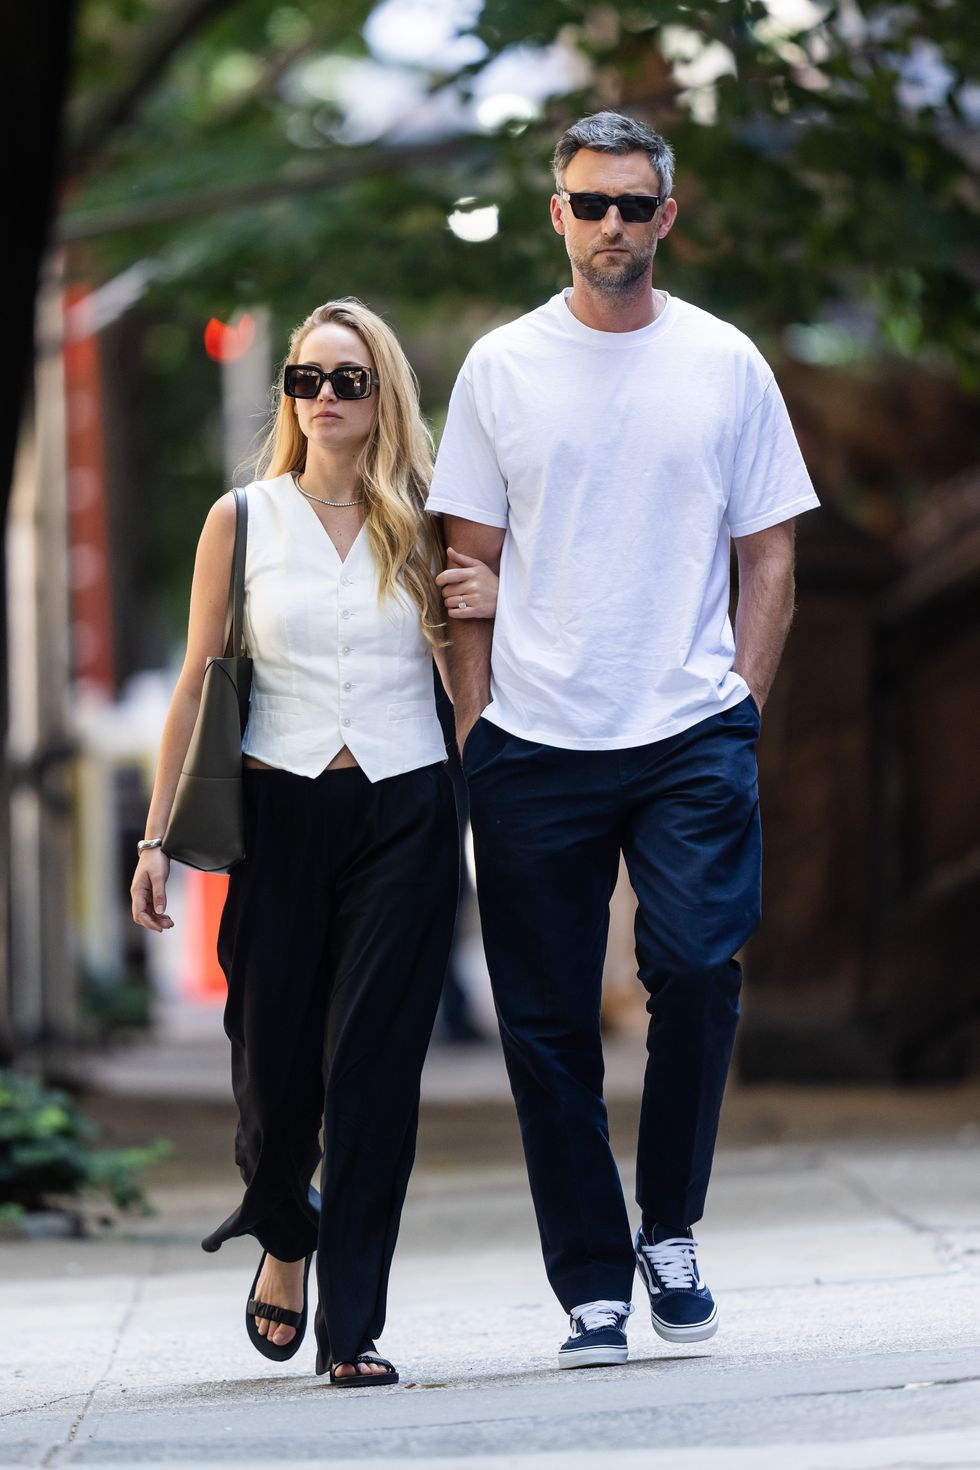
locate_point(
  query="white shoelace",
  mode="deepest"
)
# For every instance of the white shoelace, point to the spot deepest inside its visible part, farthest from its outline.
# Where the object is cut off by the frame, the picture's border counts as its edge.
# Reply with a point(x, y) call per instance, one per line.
point(674, 1262)
point(601, 1314)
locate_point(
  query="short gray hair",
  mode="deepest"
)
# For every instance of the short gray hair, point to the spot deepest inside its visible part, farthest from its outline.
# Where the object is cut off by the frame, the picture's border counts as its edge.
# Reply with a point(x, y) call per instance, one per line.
point(612, 132)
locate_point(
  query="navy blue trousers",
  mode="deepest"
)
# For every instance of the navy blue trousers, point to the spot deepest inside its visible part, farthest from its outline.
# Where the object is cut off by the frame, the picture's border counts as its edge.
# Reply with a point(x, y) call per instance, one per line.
point(548, 828)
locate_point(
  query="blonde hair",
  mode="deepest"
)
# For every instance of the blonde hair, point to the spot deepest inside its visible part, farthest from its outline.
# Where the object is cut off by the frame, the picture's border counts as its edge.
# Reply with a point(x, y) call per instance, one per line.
point(395, 465)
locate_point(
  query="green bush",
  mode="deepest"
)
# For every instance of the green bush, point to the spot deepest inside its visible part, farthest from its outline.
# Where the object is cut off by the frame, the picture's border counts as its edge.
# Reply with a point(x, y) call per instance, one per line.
point(47, 1149)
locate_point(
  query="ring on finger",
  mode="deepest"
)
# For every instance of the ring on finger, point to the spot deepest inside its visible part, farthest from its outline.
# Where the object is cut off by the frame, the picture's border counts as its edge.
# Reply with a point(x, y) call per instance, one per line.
point(462, 603)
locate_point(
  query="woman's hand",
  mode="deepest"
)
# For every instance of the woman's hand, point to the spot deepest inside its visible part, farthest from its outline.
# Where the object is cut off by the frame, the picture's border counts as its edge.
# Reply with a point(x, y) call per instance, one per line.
point(469, 587)
point(149, 890)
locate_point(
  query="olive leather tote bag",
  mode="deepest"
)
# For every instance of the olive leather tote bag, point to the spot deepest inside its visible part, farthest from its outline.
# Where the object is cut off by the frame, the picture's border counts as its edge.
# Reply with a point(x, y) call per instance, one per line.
point(206, 829)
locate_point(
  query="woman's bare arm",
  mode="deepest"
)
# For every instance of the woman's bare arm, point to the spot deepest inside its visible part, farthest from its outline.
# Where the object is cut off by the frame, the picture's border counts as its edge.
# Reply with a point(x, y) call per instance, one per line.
point(205, 639)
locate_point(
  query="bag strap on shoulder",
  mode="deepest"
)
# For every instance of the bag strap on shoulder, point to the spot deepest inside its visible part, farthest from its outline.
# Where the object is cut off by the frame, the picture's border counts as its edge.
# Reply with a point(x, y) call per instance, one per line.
point(236, 592)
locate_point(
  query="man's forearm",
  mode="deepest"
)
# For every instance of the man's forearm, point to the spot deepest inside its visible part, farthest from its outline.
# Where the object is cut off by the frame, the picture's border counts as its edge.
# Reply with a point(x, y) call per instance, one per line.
point(469, 671)
point(471, 638)
point(766, 596)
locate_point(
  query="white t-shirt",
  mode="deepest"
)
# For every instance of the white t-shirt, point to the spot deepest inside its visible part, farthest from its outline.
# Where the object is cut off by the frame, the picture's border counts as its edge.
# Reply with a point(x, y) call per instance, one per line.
point(620, 464)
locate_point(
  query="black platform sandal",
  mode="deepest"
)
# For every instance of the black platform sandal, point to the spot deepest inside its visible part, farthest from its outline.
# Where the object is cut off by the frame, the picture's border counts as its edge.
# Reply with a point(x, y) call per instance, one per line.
point(364, 1380)
point(256, 1309)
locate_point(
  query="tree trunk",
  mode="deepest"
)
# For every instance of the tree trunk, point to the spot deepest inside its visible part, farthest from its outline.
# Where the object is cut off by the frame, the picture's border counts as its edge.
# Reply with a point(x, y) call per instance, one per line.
point(39, 37)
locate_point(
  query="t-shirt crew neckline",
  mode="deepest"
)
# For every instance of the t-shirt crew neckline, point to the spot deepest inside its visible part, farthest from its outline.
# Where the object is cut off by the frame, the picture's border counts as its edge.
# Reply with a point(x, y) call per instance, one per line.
point(617, 341)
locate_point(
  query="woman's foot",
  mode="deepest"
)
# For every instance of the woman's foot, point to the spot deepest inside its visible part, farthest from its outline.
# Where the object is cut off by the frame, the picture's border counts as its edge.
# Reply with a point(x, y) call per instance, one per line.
point(281, 1285)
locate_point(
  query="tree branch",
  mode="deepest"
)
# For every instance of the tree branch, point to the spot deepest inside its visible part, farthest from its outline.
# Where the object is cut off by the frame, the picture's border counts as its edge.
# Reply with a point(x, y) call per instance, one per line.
point(99, 116)
point(93, 223)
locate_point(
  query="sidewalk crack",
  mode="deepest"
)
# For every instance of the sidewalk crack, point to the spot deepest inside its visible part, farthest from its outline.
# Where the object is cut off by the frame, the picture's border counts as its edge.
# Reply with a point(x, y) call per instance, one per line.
point(52, 1455)
point(944, 1248)
point(38, 1408)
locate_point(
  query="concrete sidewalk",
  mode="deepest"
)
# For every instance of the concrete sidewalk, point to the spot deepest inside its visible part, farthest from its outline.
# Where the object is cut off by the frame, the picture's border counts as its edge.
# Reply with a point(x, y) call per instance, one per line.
point(846, 1259)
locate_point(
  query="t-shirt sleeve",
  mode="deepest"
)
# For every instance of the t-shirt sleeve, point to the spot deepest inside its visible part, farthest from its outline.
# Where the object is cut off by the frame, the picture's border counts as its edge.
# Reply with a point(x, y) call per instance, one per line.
point(770, 482)
point(467, 480)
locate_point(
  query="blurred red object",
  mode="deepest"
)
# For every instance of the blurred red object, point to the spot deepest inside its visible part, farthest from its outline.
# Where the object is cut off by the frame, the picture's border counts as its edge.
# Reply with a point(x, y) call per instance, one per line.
point(203, 978)
point(224, 343)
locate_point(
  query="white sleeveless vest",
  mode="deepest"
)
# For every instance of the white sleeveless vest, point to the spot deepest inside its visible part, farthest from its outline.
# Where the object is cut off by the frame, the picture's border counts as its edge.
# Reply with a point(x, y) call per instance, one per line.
point(330, 667)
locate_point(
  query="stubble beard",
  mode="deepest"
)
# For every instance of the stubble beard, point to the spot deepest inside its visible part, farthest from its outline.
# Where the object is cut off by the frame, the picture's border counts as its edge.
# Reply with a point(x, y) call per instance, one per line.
point(614, 280)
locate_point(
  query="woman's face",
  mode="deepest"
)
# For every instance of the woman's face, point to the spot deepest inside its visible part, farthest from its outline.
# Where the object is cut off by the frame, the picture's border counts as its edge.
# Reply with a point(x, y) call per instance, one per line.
point(327, 421)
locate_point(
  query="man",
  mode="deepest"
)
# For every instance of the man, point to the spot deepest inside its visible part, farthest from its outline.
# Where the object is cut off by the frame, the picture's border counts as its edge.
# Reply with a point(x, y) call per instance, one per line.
point(604, 449)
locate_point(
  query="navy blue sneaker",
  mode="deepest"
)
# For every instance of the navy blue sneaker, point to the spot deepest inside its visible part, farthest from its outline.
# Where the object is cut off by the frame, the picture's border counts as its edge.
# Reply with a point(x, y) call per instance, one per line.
point(682, 1308)
point(598, 1336)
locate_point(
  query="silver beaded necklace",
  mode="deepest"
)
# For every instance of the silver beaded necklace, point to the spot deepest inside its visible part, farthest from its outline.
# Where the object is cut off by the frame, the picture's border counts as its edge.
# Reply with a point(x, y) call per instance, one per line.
point(335, 504)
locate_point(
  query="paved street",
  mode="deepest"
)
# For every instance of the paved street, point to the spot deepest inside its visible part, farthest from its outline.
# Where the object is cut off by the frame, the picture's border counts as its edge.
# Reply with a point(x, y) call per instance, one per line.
point(843, 1242)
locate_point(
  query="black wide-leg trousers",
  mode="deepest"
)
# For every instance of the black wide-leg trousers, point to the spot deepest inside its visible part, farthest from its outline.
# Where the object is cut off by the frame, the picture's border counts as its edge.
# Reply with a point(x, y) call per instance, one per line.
point(334, 941)
point(548, 829)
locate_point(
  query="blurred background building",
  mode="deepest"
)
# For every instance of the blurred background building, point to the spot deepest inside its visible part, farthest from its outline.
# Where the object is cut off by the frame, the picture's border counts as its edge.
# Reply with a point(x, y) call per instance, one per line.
point(225, 165)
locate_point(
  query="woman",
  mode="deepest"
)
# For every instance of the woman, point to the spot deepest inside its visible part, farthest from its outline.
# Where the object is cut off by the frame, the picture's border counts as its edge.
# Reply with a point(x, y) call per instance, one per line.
point(337, 925)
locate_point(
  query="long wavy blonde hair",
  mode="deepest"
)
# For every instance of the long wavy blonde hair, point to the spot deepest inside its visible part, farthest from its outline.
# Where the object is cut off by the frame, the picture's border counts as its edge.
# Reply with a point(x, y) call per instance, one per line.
point(395, 465)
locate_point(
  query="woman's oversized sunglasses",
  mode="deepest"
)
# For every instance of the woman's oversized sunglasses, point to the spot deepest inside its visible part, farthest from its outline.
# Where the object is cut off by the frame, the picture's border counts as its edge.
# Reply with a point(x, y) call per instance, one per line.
point(303, 380)
point(634, 209)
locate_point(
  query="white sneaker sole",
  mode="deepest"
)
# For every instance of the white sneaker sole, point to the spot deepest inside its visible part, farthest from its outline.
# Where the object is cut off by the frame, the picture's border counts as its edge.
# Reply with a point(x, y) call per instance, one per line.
point(597, 1357)
point(700, 1332)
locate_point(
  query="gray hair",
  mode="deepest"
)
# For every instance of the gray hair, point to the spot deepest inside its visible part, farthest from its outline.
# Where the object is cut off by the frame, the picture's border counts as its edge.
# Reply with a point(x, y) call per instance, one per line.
point(612, 132)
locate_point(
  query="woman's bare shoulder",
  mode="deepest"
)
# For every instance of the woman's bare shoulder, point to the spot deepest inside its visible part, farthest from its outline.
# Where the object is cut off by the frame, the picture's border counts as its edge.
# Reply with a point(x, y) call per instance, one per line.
point(219, 524)
point(223, 510)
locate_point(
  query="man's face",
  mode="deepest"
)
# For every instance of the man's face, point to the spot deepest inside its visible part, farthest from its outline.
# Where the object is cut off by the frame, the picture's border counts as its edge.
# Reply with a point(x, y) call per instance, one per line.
point(609, 254)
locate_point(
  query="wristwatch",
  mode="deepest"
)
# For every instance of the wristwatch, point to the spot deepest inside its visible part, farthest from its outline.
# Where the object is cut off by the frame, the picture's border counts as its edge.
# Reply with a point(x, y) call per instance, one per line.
point(148, 842)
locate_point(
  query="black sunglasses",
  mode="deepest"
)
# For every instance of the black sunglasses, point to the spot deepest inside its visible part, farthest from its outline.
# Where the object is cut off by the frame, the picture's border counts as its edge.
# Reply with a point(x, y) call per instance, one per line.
point(300, 380)
point(634, 209)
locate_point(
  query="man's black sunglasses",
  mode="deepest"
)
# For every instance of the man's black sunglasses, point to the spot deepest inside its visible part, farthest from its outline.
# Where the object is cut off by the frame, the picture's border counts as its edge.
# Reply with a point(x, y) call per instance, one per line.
point(302, 380)
point(634, 209)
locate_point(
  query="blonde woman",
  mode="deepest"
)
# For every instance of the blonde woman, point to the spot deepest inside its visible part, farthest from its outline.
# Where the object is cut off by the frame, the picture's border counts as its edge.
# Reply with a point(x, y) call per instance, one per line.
point(338, 922)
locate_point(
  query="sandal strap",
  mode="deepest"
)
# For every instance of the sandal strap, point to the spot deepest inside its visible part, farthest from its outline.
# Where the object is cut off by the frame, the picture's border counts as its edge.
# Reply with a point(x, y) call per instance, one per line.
point(361, 1358)
point(274, 1314)
point(374, 1358)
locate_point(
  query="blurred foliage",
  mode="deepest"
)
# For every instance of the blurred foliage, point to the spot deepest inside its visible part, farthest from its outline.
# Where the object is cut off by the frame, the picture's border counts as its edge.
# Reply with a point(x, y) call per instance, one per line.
point(827, 180)
point(111, 1003)
point(47, 1150)
point(831, 166)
